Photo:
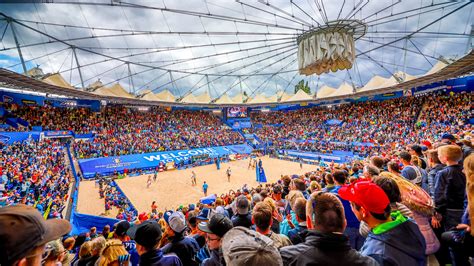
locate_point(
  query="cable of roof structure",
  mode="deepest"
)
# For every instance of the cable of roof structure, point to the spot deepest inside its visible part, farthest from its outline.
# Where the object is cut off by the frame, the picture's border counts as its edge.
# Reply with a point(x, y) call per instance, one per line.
point(420, 29)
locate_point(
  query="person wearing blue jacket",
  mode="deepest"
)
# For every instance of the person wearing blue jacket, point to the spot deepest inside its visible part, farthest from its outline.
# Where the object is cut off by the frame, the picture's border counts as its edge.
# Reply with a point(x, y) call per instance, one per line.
point(393, 238)
point(353, 225)
point(147, 235)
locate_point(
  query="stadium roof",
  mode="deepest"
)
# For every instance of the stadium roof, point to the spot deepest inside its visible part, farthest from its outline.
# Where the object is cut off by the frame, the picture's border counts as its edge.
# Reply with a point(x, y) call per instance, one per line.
point(10, 79)
point(198, 52)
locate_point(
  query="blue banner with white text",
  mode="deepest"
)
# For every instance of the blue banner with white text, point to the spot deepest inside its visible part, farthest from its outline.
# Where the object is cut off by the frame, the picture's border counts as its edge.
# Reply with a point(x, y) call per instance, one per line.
point(12, 137)
point(107, 165)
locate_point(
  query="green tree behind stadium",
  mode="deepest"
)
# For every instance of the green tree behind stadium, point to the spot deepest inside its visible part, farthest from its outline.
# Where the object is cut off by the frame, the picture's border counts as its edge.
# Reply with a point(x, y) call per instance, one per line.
point(302, 86)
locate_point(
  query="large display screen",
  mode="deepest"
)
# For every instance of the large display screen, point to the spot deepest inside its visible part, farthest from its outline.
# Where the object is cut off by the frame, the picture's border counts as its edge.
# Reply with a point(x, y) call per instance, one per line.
point(236, 112)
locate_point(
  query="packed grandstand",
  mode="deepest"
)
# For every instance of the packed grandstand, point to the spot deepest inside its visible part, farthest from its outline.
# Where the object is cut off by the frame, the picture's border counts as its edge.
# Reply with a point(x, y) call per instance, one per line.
point(392, 158)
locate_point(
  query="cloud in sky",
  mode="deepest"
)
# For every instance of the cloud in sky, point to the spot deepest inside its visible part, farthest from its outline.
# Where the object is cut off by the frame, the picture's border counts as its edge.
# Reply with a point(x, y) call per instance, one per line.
point(231, 46)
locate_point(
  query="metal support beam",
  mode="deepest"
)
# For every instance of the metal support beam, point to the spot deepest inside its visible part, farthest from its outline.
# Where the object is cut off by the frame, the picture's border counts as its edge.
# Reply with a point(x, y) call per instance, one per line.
point(12, 26)
point(241, 90)
point(173, 84)
point(131, 79)
point(208, 85)
point(470, 42)
point(78, 67)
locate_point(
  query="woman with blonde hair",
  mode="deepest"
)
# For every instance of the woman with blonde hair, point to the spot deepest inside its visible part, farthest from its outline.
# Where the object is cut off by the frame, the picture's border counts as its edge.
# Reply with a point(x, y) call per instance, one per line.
point(290, 221)
point(276, 216)
point(114, 253)
point(314, 186)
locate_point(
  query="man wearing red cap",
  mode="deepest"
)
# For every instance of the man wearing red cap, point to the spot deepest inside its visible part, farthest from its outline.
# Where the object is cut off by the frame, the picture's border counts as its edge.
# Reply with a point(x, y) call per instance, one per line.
point(393, 238)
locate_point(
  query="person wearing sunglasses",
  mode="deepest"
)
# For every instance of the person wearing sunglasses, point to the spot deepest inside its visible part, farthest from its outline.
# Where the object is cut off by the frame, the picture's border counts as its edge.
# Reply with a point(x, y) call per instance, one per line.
point(24, 234)
point(215, 229)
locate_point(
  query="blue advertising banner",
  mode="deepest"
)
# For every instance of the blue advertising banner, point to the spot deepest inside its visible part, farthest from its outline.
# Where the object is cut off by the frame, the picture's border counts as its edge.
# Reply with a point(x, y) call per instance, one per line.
point(21, 99)
point(238, 123)
point(92, 104)
point(328, 157)
point(106, 165)
point(12, 137)
point(26, 99)
point(58, 134)
point(241, 124)
point(333, 122)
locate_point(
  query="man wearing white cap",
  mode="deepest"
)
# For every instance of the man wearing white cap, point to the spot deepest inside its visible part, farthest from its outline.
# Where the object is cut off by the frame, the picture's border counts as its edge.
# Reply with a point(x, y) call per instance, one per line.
point(185, 248)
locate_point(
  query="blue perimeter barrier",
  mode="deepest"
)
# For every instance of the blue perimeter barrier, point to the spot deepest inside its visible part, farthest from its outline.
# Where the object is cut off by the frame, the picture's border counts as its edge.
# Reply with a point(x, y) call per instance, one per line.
point(337, 157)
point(82, 223)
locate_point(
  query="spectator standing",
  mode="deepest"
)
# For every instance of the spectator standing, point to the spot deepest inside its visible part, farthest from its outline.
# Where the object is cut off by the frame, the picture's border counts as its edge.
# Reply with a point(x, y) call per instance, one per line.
point(184, 247)
point(325, 243)
point(393, 239)
point(450, 187)
point(120, 233)
point(262, 218)
point(147, 235)
point(215, 230)
point(242, 216)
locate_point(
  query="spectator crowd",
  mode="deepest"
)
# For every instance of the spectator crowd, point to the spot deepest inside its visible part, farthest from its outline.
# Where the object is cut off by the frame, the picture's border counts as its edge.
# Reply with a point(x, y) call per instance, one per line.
point(411, 199)
point(35, 173)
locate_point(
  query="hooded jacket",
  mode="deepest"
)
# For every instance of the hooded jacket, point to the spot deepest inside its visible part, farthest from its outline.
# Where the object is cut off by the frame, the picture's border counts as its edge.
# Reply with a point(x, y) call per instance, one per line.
point(156, 258)
point(186, 248)
point(324, 249)
point(398, 242)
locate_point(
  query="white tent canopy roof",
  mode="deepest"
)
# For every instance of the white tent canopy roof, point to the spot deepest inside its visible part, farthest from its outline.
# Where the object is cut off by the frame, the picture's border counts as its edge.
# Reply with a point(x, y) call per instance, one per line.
point(437, 67)
point(325, 91)
point(225, 99)
point(149, 96)
point(190, 98)
point(166, 96)
point(344, 89)
point(239, 98)
point(374, 83)
point(299, 96)
point(118, 90)
point(285, 96)
point(272, 98)
point(203, 98)
point(258, 99)
point(58, 80)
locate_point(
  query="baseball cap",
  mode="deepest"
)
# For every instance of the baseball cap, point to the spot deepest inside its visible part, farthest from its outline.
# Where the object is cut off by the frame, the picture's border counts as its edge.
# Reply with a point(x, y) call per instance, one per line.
point(143, 217)
point(242, 246)
point(218, 225)
point(242, 204)
point(220, 209)
point(366, 194)
point(416, 148)
point(121, 228)
point(176, 221)
point(448, 136)
point(23, 228)
point(427, 143)
point(147, 234)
